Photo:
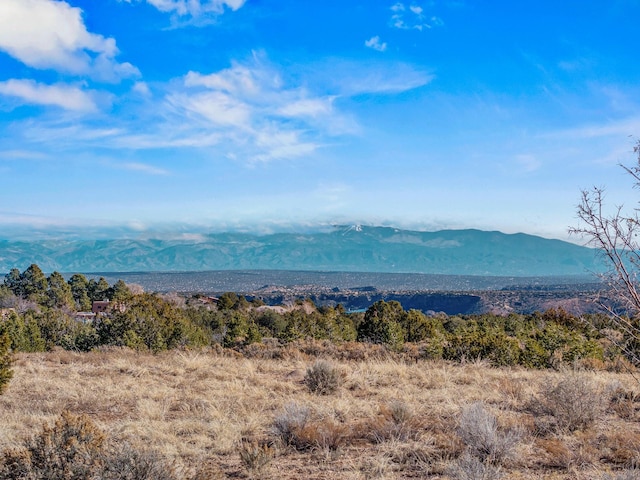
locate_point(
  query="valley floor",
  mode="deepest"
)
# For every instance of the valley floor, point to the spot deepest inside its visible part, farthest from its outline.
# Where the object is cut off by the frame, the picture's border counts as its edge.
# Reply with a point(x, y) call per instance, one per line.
point(220, 415)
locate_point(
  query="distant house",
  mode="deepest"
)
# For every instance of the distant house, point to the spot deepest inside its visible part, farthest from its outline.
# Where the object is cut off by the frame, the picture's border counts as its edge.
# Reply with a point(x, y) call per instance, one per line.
point(100, 306)
point(104, 307)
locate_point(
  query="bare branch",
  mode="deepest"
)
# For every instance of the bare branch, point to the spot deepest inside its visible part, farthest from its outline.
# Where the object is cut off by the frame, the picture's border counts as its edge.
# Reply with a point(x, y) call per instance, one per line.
point(615, 236)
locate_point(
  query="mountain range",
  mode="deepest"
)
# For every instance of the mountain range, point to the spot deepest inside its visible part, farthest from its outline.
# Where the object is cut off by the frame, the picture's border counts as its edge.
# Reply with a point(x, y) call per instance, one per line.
point(352, 248)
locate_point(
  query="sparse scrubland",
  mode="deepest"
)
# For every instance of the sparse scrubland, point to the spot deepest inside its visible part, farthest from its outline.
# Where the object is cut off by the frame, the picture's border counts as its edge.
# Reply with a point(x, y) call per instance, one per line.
point(167, 387)
point(216, 413)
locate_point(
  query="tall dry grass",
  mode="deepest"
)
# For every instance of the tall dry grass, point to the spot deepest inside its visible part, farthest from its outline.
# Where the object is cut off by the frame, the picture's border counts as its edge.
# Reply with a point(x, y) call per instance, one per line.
point(215, 414)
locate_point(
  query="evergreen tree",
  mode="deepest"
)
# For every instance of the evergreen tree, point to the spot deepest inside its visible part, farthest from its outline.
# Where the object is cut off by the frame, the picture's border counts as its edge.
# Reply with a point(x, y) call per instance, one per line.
point(79, 286)
point(227, 301)
point(35, 284)
point(120, 293)
point(13, 281)
point(24, 333)
point(98, 290)
point(59, 292)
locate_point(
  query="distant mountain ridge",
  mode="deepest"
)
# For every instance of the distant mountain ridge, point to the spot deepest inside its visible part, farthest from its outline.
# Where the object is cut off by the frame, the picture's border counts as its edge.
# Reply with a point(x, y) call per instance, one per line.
point(346, 248)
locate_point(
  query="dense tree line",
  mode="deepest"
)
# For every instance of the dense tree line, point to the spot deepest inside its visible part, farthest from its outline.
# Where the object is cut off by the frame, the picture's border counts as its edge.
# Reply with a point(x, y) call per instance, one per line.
point(42, 315)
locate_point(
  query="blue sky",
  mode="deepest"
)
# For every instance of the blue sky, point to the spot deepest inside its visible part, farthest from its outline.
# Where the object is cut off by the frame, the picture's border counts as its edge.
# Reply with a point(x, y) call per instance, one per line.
point(285, 114)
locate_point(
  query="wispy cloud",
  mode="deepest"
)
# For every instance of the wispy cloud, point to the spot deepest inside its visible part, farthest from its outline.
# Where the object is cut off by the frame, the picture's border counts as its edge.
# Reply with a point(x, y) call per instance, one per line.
point(251, 112)
point(620, 128)
point(217, 107)
point(21, 155)
point(168, 137)
point(48, 34)
point(253, 107)
point(281, 145)
point(308, 107)
point(68, 132)
point(376, 44)
point(59, 95)
point(144, 168)
point(412, 17)
point(385, 78)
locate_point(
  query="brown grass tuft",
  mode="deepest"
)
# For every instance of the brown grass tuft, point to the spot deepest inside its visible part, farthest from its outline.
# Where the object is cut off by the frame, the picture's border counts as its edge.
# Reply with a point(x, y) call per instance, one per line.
point(478, 429)
point(323, 378)
point(394, 421)
point(575, 401)
point(256, 456)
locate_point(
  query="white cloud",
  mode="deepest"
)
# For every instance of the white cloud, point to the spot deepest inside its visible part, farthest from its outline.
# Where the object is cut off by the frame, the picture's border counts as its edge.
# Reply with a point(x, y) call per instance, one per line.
point(60, 95)
point(216, 107)
point(276, 144)
point(48, 34)
point(141, 88)
point(255, 112)
point(307, 108)
point(413, 19)
point(195, 8)
point(253, 109)
point(374, 42)
point(238, 80)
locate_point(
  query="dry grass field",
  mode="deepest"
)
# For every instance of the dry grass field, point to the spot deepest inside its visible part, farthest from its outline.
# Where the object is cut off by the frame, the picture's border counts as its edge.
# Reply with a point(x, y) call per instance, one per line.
point(217, 414)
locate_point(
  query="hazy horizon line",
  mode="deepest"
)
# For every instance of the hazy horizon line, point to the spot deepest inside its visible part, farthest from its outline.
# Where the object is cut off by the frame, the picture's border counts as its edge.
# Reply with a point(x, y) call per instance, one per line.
point(23, 231)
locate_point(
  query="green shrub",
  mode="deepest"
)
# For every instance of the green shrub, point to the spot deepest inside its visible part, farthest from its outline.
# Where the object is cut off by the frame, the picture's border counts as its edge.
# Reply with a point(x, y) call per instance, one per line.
point(504, 351)
point(581, 348)
point(554, 337)
point(477, 340)
point(155, 321)
point(24, 333)
point(236, 330)
point(418, 327)
point(534, 355)
point(382, 324)
point(432, 348)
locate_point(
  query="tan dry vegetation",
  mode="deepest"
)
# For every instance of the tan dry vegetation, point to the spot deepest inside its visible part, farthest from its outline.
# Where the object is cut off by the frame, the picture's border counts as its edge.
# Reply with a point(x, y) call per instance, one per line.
point(213, 413)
